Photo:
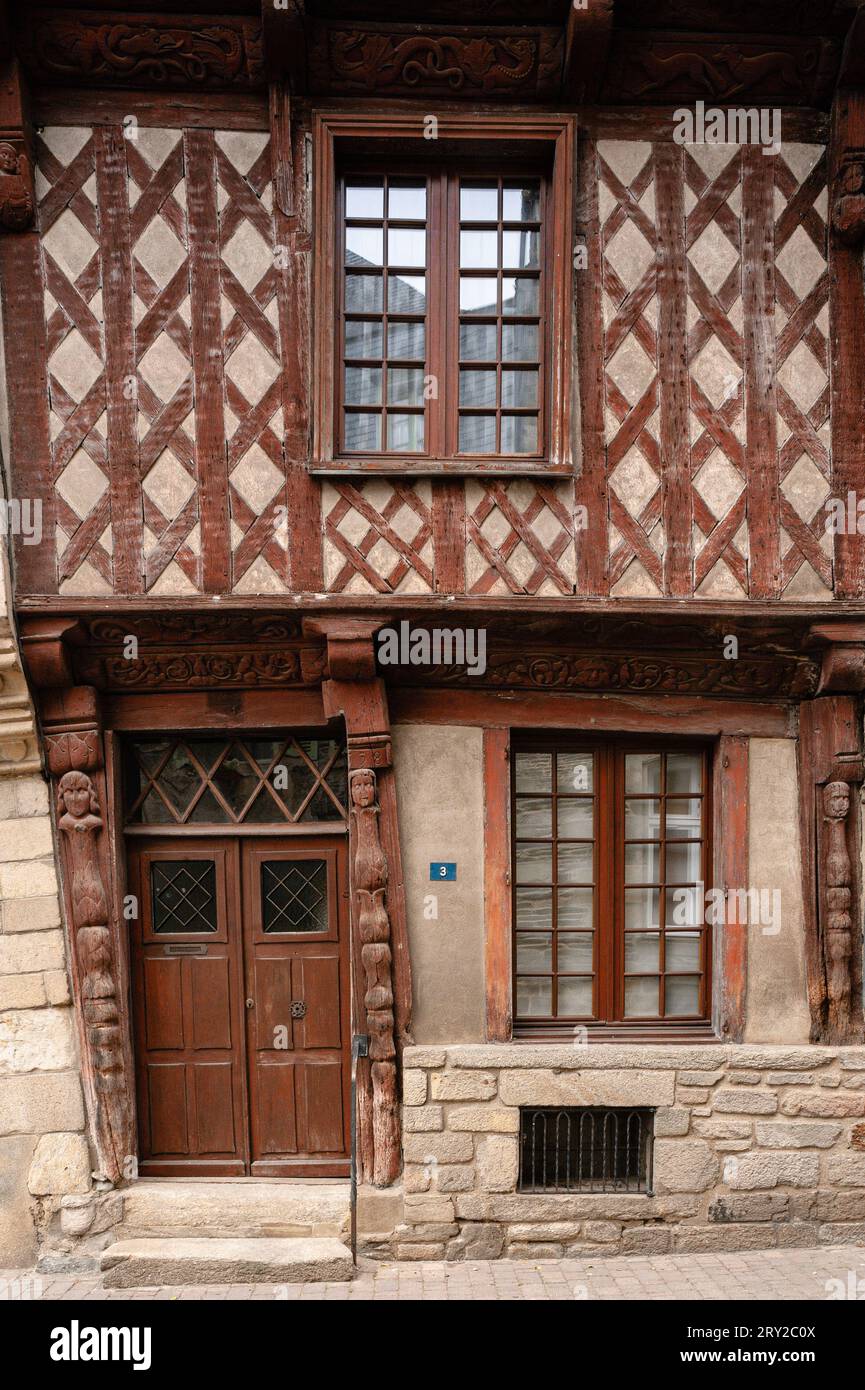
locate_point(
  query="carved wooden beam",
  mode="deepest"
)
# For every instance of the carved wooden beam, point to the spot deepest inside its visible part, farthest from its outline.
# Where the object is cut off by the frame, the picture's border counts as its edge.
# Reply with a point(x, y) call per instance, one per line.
point(17, 200)
point(73, 745)
point(842, 649)
point(588, 36)
point(831, 773)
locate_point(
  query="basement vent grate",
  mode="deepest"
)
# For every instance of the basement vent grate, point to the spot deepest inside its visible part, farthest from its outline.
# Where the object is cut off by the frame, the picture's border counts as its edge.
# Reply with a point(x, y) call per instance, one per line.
point(585, 1149)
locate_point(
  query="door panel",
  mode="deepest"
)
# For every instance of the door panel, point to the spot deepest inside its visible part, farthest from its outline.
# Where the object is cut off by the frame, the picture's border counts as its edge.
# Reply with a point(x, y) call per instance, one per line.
point(296, 960)
point(189, 1008)
point(241, 1004)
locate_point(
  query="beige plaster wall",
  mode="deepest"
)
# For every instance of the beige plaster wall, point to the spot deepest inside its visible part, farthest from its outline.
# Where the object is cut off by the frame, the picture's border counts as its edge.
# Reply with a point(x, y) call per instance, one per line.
point(439, 778)
point(777, 996)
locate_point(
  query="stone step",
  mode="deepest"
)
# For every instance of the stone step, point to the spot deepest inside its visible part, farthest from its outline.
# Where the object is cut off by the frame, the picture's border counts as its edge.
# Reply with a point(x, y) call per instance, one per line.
point(152, 1263)
point(243, 1208)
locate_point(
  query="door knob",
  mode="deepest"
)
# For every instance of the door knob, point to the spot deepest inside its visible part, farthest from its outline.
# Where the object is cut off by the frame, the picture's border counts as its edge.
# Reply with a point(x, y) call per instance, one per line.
point(250, 1003)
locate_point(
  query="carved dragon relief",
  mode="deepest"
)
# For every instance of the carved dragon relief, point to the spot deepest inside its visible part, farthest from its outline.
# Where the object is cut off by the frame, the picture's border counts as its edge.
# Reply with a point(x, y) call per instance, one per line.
point(488, 64)
point(369, 883)
point(660, 68)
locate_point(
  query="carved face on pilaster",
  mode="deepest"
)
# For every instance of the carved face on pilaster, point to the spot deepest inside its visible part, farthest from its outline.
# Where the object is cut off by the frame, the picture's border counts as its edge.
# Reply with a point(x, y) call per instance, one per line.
point(77, 803)
point(836, 800)
point(363, 788)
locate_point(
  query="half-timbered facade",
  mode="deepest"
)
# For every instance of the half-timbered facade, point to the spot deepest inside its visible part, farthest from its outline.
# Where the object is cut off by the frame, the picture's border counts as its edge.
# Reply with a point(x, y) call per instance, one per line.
point(433, 483)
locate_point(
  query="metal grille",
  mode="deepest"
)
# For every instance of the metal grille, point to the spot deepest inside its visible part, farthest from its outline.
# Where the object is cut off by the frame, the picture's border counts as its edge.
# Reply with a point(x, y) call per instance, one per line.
point(585, 1150)
point(294, 895)
point(184, 895)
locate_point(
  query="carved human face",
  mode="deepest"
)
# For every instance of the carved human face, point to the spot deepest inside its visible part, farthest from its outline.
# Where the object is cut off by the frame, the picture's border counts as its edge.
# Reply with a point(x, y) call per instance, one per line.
point(363, 789)
point(837, 799)
point(77, 801)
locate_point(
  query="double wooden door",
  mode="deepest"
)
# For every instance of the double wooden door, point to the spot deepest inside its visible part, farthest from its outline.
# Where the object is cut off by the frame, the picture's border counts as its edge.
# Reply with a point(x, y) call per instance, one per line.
point(241, 1002)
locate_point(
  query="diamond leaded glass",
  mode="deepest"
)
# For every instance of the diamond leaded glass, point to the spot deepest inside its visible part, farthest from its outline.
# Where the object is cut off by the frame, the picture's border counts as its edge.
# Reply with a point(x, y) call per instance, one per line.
point(184, 895)
point(294, 895)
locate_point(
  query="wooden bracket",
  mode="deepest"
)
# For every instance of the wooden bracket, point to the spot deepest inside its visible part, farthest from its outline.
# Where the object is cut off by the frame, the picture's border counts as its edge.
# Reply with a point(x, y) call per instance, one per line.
point(17, 199)
point(843, 656)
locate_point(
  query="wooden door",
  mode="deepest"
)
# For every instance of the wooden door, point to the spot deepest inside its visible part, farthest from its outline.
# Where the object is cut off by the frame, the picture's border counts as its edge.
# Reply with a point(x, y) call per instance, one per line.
point(296, 956)
point(241, 1006)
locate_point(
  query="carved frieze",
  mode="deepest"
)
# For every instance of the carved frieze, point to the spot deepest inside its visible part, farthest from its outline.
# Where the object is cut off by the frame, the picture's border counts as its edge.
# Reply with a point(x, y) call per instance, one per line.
point(144, 50)
point(464, 62)
point(663, 67)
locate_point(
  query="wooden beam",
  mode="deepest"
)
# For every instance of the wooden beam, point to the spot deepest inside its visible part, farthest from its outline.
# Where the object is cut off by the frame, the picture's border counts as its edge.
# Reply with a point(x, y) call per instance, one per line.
point(588, 35)
point(591, 543)
point(761, 449)
point(731, 800)
point(497, 885)
point(673, 370)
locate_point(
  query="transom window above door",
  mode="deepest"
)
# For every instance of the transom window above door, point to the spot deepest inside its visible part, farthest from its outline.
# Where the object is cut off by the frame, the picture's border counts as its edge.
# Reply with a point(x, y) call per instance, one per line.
point(216, 781)
point(610, 870)
point(443, 290)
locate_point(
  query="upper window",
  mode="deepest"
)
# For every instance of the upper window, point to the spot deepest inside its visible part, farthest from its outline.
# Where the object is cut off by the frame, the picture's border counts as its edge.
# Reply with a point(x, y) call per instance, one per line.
point(611, 862)
point(445, 296)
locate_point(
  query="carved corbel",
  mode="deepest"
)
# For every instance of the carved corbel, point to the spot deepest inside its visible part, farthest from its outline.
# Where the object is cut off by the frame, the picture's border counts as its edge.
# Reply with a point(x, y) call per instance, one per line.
point(17, 200)
point(73, 746)
point(848, 199)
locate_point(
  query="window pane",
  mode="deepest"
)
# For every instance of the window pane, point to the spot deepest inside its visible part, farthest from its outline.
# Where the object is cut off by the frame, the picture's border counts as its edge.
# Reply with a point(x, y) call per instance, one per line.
point(682, 996)
point(363, 294)
point(575, 772)
point(642, 863)
point(643, 820)
point(683, 951)
point(362, 432)
point(575, 863)
point(405, 386)
point(534, 772)
point(684, 818)
point(519, 295)
point(479, 294)
point(520, 342)
point(684, 772)
point(479, 250)
point(642, 772)
point(520, 388)
point(405, 434)
point(406, 340)
point(642, 952)
point(521, 202)
point(407, 201)
point(641, 998)
point(184, 895)
point(479, 202)
point(406, 294)
point(575, 998)
point(478, 342)
point(477, 434)
point(362, 338)
point(363, 385)
point(534, 997)
point(575, 952)
point(364, 246)
point(364, 199)
point(534, 907)
point(534, 952)
point(294, 895)
point(575, 908)
point(534, 864)
point(576, 819)
point(686, 907)
point(406, 246)
point(683, 863)
point(641, 907)
point(519, 434)
point(477, 388)
point(520, 250)
point(534, 818)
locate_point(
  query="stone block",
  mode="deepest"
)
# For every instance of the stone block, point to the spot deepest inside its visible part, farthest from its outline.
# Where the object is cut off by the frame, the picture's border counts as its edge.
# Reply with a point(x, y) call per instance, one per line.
point(421, 1119)
point(57, 987)
point(793, 1234)
point(26, 838)
point(603, 1232)
point(757, 1206)
point(840, 1206)
point(430, 1251)
point(426, 1230)
point(534, 1207)
point(476, 1085)
point(22, 991)
point(477, 1241)
point(493, 1119)
point(670, 1121)
point(545, 1231)
point(27, 952)
point(701, 1078)
point(423, 1209)
point(378, 1209)
point(781, 1058)
point(438, 1148)
point(597, 1057)
point(684, 1165)
point(540, 1251)
point(841, 1106)
point(723, 1129)
point(31, 796)
point(852, 1233)
point(31, 914)
point(613, 1087)
point(414, 1087)
point(777, 1135)
point(34, 878)
point(417, 1179)
point(61, 1165)
point(692, 1095)
point(455, 1178)
point(36, 1040)
point(696, 1239)
point(429, 1057)
point(497, 1163)
point(846, 1170)
point(41, 1102)
point(17, 1230)
point(791, 1078)
point(756, 1171)
point(745, 1078)
point(739, 1102)
point(646, 1240)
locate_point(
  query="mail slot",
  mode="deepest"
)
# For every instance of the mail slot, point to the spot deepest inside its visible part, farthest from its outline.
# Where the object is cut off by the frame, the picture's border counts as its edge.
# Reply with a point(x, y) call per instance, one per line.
point(185, 948)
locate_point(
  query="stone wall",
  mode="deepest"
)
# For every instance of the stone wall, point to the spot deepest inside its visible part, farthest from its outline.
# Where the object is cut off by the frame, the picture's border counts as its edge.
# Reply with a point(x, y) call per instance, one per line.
point(755, 1146)
point(44, 1154)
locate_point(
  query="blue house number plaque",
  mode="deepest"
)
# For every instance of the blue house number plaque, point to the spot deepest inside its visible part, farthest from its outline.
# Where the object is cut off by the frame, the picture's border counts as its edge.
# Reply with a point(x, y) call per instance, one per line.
point(443, 873)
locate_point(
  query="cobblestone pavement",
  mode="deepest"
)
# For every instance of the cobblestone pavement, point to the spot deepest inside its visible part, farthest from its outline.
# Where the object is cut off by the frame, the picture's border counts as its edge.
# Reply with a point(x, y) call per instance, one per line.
point(762, 1274)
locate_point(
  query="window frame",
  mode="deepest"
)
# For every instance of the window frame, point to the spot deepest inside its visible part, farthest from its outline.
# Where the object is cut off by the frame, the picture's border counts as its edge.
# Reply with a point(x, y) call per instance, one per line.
point(608, 922)
point(381, 139)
